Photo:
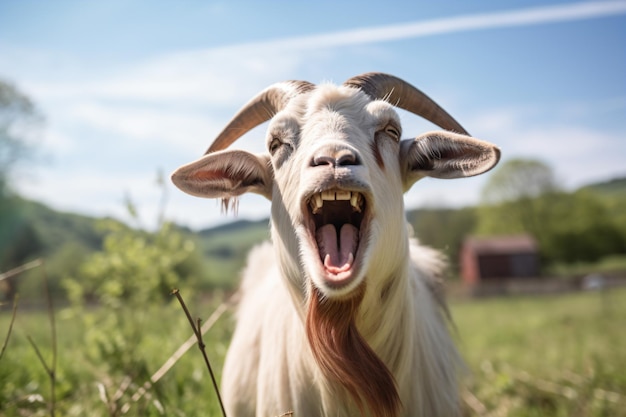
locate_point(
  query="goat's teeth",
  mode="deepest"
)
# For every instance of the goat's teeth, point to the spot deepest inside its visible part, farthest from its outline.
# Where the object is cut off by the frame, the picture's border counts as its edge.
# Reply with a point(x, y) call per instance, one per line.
point(343, 195)
point(328, 195)
point(355, 201)
point(316, 203)
point(318, 200)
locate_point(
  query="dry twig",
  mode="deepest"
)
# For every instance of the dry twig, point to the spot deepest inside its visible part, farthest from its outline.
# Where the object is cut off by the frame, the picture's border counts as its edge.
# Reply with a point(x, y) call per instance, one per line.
point(20, 269)
point(6, 339)
point(197, 329)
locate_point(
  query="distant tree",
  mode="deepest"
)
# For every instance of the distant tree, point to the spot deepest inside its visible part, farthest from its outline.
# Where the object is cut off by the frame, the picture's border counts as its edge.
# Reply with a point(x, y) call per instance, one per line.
point(519, 179)
point(580, 229)
point(19, 124)
point(517, 198)
point(20, 121)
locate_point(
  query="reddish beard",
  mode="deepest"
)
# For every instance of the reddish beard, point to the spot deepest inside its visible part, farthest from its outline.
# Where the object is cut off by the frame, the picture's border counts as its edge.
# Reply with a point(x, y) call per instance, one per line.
point(345, 357)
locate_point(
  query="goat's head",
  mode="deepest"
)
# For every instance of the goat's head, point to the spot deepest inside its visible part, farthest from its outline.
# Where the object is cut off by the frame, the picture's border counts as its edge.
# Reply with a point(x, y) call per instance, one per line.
point(335, 170)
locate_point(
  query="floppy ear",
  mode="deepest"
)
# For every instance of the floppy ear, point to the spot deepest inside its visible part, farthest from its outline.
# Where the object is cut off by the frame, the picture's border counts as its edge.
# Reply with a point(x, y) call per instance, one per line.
point(226, 174)
point(445, 155)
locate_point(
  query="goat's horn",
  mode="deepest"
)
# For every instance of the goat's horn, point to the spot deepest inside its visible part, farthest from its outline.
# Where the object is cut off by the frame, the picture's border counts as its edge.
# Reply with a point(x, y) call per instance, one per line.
point(401, 94)
point(258, 110)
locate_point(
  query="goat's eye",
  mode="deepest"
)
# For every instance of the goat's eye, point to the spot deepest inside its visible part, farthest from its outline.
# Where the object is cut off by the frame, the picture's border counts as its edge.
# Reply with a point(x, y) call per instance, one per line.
point(393, 132)
point(274, 145)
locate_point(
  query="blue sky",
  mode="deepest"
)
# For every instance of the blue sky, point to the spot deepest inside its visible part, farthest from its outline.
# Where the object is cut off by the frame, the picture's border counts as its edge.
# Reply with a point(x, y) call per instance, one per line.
point(130, 88)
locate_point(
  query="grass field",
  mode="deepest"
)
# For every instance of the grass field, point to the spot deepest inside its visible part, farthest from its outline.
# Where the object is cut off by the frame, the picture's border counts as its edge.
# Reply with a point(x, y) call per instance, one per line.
point(546, 356)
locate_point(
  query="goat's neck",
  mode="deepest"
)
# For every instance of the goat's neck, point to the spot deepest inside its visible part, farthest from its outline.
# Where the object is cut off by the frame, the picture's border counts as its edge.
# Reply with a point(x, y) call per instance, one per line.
point(383, 312)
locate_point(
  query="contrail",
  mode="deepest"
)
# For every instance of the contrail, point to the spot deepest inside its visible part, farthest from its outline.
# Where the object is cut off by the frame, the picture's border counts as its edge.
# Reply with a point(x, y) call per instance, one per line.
point(506, 19)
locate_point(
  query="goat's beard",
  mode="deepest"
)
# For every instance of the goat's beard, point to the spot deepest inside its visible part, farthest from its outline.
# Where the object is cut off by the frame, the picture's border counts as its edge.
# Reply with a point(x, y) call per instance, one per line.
point(345, 357)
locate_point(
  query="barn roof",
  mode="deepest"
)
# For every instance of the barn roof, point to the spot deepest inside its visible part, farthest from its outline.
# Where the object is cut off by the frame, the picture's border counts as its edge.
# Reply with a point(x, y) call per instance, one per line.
point(501, 244)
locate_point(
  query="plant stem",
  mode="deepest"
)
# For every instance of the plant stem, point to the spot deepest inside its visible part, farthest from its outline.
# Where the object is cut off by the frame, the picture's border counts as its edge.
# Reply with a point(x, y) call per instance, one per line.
point(13, 314)
point(197, 329)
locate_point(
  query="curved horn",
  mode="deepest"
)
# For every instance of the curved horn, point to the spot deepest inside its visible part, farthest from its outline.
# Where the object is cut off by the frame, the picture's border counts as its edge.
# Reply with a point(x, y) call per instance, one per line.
point(380, 86)
point(258, 110)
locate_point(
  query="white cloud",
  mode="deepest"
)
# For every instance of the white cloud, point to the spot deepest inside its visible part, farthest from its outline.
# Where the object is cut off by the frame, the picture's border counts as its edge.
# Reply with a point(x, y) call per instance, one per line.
point(58, 140)
point(218, 77)
point(579, 152)
point(91, 191)
point(145, 124)
point(520, 17)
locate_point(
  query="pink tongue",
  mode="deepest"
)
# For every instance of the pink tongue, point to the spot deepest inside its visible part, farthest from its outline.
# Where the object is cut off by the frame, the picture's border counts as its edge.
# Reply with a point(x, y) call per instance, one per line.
point(336, 254)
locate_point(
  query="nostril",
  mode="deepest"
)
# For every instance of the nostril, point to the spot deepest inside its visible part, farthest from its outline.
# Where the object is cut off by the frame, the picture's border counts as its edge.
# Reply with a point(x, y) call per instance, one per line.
point(343, 157)
point(323, 160)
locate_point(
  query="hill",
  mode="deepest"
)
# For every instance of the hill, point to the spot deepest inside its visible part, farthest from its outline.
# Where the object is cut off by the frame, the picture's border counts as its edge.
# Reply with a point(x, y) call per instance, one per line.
point(614, 187)
point(56, 228)
point(234, 238)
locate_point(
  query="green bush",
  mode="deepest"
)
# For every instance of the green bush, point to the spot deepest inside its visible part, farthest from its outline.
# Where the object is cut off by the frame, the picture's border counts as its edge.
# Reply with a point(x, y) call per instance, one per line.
point(134, 268)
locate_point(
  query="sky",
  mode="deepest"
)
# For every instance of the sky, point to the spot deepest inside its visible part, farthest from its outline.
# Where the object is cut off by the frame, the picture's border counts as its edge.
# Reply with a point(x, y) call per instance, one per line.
point(129, 90)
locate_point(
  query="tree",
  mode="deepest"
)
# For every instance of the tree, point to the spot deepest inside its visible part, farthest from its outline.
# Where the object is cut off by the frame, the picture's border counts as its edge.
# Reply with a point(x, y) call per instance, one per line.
point(20, 121)
point(580, 229)
point(519, 179)
point(518, 198)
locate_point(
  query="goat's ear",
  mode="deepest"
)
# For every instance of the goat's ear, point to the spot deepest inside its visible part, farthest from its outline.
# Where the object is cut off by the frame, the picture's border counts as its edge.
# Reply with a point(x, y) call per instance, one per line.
point(226, 174)
point(445, 155)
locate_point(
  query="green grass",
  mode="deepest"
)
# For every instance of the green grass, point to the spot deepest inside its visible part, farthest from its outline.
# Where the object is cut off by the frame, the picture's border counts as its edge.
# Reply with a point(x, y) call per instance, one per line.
point(545, 356)
point(610, 265)
point(96, 361)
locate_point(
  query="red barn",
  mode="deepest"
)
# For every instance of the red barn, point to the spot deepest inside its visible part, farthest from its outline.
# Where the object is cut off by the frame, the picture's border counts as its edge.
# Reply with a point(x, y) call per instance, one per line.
point(493, 259)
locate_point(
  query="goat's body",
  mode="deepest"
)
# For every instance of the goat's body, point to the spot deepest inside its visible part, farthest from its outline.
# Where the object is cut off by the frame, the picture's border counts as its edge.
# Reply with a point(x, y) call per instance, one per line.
point(270, 368)
point(342, 314)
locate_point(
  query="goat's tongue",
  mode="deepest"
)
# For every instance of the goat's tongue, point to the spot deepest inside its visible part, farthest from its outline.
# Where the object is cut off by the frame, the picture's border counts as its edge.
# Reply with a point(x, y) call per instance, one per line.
point(338, 255)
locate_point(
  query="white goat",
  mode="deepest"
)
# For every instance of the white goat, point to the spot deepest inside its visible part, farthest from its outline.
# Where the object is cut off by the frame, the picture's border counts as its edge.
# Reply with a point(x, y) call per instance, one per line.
point(342, 315)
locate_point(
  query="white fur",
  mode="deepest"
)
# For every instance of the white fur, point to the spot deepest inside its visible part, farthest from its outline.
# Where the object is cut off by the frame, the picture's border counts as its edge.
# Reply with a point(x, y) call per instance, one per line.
point(269, 368)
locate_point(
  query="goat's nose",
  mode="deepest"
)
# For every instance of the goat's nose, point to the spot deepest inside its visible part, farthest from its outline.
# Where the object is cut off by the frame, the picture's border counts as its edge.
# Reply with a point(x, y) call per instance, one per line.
point(335, 158)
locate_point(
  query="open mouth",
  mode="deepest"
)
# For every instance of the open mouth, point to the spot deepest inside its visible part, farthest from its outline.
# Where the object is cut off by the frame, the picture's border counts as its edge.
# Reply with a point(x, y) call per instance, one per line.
point(337, 223)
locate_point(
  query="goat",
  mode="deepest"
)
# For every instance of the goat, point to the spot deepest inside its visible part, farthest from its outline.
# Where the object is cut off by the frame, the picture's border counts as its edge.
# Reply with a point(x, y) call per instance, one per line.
point(342, 314)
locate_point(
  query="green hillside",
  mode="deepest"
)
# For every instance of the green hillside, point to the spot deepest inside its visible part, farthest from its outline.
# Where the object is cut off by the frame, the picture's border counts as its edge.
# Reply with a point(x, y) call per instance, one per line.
point(233, 239)
point(55, 228)
point(614, 187)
